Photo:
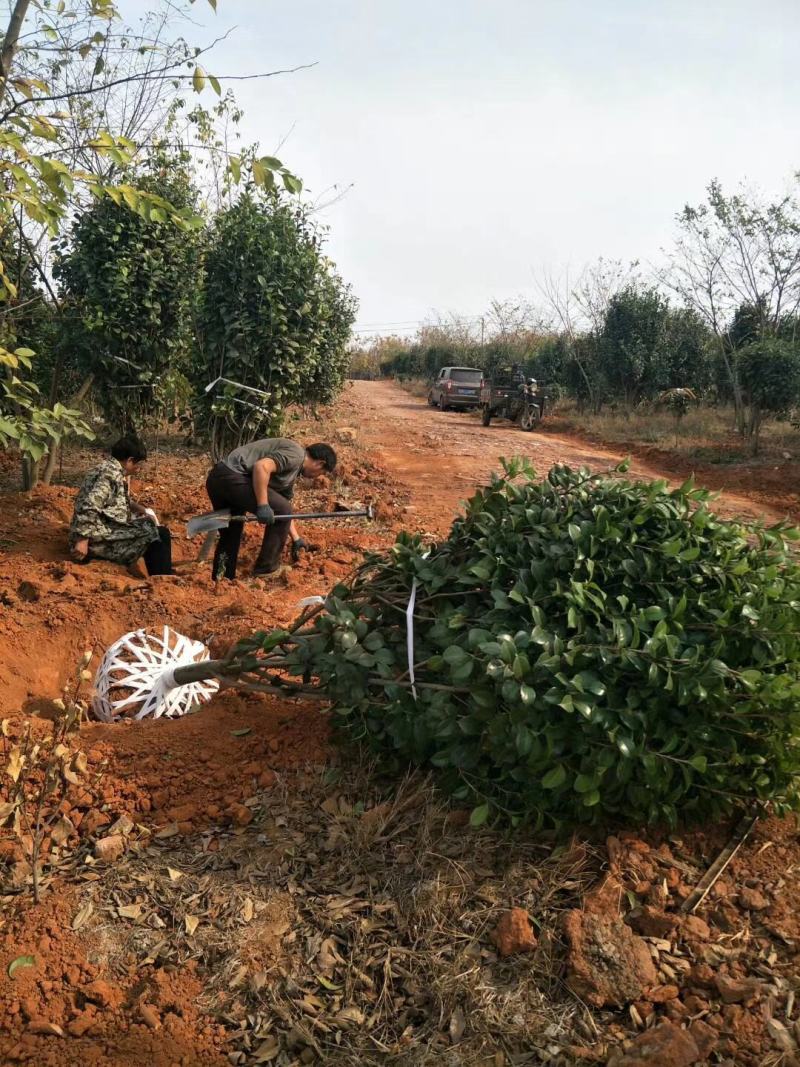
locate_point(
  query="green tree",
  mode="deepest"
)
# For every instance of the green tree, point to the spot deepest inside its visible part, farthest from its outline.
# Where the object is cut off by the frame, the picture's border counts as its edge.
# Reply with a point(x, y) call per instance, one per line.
point(129, 285)
point(274, 320)
point(632, 345)
point(769, 372)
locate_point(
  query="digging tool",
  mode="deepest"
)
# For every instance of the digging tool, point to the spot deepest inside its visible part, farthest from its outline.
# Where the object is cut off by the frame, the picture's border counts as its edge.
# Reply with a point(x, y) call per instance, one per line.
point(221, 520)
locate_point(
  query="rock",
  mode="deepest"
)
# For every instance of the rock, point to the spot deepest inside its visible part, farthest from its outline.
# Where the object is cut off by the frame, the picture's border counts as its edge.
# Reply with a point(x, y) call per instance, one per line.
point(694, 1004)
point(736, 990)
point(78, 1027)
point(705, 1037)
point(109, 849)
point(103, 993)
point(240, 814)
point(607, 963)
point(665, 1045)
point(94, 819)
point(753, 900)
point(661, 994)
point(123, 825)
point(652, 922)
point(347, 435)
point(30, 592)
point(150, 1016)
point(267, 779)
point(251, 770)
point(693, 928)
point(514, 933)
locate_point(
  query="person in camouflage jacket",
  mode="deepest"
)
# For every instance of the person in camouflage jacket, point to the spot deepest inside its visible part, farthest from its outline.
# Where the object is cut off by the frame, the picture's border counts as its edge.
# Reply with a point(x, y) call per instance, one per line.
point(107, 524)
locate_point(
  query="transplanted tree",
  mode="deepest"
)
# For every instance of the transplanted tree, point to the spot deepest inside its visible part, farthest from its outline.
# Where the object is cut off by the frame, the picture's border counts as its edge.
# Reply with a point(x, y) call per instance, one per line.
point(129, 284)
point(274, 320)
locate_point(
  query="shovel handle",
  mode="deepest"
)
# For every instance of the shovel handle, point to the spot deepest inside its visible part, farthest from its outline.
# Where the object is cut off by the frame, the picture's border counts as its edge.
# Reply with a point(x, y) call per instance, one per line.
point(304, 516)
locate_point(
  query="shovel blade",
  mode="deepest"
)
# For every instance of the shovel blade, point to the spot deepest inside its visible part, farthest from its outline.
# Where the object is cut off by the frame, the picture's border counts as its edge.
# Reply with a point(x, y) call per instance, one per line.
point(214, 520)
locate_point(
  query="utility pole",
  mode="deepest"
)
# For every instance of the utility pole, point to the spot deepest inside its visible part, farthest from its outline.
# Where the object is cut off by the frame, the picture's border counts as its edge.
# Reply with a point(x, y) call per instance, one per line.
point(483, 329)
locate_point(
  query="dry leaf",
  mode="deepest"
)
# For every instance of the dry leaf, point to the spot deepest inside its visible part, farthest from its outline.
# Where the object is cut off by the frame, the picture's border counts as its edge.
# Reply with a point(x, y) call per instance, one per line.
point(351, 1016)
point(62, 829)
point(266, 1051)
point(248, 910)
point(170, 830)
point(174, 876)
point(458, 1025)
point(192, 922)
point(780, 1035)
point(130, 911)
point(80, 763)
point(15, 763)
point(82, 916)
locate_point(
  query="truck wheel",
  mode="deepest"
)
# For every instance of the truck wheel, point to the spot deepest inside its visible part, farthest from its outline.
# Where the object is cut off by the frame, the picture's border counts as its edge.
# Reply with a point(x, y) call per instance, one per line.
point(431, 401)
point(442, 405)
point(486, 417)
point(529, 419)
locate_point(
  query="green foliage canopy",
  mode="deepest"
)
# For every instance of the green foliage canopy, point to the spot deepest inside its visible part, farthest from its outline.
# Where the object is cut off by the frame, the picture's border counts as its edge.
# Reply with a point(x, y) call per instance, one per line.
point(586, 649)
point(275, 319)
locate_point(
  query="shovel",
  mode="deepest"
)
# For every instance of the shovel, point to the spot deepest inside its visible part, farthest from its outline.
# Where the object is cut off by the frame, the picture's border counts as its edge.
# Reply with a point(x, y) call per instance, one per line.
point(221, 520)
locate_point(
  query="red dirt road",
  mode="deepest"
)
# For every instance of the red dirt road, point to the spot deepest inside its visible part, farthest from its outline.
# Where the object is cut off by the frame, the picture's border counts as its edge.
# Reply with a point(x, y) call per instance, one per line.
point(442, 456)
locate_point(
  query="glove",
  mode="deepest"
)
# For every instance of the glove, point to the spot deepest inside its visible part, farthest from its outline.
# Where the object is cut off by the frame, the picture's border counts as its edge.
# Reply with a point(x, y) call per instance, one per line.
point(298, 547)
point(265, 515)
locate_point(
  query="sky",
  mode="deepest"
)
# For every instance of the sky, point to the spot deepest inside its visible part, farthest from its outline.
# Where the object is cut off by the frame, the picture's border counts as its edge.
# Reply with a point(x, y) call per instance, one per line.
point(482, 142)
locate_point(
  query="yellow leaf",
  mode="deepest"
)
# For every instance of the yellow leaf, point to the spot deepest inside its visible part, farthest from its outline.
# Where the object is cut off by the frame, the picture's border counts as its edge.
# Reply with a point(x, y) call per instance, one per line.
point(130, 911)
point(248, 910)
point(174, 876)
point(192, 922)
point(15, 763)
point(199, 79)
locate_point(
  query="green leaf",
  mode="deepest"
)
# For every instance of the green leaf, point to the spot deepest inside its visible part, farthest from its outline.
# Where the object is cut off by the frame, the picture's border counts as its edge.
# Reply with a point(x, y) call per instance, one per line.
point(214, 82)
point(555, 777)
point(700, 763)
point(479, 815)
point(20, 962)
point(241, 733)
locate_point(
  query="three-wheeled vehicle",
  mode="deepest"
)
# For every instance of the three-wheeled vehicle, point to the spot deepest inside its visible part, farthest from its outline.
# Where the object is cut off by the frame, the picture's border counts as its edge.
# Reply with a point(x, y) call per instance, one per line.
point(507, 394)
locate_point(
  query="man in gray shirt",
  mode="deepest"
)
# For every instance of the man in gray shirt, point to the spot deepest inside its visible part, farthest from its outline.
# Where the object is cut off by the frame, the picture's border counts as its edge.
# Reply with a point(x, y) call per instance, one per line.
point(259, 477)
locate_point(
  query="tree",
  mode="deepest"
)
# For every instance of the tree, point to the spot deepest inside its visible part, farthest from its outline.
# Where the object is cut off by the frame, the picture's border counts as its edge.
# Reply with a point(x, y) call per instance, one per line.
point(738, 250)
point(129, 284)
point(274, 319)
point(769, 372)
point(631, 344)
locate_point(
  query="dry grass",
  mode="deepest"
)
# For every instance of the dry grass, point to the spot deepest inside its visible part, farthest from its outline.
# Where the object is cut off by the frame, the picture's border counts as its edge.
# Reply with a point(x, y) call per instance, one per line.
point(704, 433)
point(349, 924)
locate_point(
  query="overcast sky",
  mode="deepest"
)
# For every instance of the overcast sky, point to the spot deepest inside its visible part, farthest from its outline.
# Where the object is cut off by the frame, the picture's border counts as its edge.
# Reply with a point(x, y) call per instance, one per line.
point(488, 139)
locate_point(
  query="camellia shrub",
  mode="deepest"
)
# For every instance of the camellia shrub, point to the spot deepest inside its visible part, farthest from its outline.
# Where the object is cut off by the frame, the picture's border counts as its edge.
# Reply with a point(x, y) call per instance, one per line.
point(585, 649)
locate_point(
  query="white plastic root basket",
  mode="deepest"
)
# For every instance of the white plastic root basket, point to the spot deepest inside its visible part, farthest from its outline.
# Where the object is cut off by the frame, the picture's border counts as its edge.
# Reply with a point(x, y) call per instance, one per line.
point(136, 677)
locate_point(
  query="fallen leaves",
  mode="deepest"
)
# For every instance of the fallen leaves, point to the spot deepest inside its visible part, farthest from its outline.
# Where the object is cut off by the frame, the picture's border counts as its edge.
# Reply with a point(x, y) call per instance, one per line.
point(191, 922)
point(83, 915)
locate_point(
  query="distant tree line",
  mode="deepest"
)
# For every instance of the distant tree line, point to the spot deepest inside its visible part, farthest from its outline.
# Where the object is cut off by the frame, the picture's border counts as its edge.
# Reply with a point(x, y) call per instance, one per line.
point(720, 318)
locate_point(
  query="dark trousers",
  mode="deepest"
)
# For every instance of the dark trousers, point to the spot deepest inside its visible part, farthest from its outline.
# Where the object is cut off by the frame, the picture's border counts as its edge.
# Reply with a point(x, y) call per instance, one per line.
point(227, 488)
point(158, 554)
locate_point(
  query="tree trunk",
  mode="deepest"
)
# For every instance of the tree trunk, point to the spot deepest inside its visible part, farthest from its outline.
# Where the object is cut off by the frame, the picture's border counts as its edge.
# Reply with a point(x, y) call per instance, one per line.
point(30, 474)
point(50, 465)
point(10, 41)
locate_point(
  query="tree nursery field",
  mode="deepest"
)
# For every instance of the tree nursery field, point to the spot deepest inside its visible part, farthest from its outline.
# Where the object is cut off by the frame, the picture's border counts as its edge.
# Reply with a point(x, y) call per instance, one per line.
point(504, 768)
point(272, 897)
